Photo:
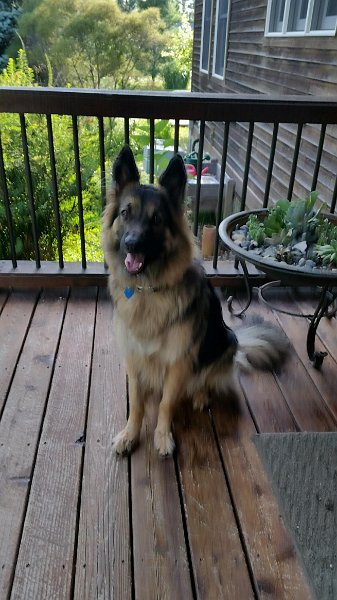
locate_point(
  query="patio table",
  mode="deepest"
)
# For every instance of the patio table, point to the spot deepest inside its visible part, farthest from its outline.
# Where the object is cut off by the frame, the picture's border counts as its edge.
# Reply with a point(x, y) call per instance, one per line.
point(281, 273)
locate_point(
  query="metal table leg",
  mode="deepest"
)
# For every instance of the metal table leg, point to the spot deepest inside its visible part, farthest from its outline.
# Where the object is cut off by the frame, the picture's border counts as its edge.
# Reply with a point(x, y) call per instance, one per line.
point(248, 290)
point(326, 299)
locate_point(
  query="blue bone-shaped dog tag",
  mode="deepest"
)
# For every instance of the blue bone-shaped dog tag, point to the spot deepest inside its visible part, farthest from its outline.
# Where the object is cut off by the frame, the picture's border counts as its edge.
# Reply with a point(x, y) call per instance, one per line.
point(128, 292)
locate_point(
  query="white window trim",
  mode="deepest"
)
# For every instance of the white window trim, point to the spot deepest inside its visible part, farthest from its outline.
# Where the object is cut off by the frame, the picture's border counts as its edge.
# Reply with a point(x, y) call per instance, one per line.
point(202, 37)
point(214, 74)
point(307, 31)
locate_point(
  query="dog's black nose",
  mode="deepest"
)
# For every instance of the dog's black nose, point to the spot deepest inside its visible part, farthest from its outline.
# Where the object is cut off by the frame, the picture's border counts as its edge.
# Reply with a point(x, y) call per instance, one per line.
point(133, 242)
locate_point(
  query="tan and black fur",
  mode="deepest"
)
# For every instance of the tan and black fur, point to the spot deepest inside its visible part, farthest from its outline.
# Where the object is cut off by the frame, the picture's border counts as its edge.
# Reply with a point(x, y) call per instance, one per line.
point(168, 319)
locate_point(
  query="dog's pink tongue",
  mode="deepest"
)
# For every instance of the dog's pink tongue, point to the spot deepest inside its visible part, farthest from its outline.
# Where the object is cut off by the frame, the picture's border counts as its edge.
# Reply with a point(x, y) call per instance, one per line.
point(134, 262)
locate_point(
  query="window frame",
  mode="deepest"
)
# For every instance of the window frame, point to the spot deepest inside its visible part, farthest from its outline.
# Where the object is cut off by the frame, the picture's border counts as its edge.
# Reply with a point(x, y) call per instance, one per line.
point(202, 69)
point(215, 46)
point(307, 31)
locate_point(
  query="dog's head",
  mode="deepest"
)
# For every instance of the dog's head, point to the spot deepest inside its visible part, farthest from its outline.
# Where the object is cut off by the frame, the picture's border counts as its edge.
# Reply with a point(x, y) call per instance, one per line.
point(144, 220)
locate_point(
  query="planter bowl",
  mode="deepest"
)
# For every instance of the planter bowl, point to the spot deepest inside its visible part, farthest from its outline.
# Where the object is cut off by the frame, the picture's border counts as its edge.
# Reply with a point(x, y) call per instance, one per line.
point(289, 274)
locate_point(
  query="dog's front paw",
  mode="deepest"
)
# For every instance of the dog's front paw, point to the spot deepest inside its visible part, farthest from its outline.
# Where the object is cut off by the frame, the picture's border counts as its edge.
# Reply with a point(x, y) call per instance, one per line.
point(124, 441)
point(163, 442)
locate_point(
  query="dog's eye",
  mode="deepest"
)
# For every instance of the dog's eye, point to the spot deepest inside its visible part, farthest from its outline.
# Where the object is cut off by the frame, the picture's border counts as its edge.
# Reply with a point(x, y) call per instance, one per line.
point(125, 213)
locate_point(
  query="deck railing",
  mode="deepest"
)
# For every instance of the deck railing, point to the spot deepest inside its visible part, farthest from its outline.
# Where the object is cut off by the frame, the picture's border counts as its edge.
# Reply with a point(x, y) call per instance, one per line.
point(199, 109)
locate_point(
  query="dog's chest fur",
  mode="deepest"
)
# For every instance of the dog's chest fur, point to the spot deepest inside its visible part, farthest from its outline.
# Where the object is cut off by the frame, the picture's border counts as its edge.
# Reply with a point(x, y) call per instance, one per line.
point(151, 323)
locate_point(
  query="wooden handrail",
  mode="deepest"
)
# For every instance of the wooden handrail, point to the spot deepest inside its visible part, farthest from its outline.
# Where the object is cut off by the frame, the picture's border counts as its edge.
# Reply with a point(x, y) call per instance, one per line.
point(169, 105)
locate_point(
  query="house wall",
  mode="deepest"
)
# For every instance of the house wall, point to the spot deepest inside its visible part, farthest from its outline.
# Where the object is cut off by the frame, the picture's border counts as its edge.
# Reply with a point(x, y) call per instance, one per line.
point(271, 65)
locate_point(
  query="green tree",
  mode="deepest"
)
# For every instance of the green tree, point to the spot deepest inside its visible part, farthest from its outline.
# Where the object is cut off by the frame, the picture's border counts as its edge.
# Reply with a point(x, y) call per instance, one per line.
point(9, 12)
point(169, 10)
point(144, 44)
point(88, 40)
point(178, 64)
point(93, 42)
point(41, 25)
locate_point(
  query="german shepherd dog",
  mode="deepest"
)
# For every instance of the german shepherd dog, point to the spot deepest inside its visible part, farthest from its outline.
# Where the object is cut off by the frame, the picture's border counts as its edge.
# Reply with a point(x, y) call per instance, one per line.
point(167, 316)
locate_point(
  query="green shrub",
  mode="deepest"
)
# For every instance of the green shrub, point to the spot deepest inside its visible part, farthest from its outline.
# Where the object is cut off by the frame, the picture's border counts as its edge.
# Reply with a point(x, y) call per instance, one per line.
point(175, 76)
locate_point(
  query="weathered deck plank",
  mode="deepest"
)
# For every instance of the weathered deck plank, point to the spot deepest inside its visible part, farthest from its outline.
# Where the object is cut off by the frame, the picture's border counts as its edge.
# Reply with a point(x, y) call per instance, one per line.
point(325, 379)
point(266, 401)
point(160, 556)
point(44, 566)
point(301, 395)
point(218, 559)
point(15, 319)
point(271, 553)
point(21, 422)
point(103, 566)
point(75, 522)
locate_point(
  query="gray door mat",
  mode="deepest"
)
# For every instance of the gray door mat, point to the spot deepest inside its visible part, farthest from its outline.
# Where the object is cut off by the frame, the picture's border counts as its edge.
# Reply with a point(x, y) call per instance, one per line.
point(302, 468)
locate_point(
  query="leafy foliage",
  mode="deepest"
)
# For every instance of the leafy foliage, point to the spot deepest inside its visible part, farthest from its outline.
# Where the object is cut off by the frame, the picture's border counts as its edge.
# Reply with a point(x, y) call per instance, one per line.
point(177, 69)
point(288, 221)
point(174, 77)
point(256, 229)
point(328, 253)
point(169, 10)
point(9, 13)
point(18, 73)
point(92, 43)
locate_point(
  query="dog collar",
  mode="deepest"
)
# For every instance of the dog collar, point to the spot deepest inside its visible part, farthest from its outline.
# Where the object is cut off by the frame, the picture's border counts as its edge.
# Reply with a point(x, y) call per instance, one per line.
point(129, 291)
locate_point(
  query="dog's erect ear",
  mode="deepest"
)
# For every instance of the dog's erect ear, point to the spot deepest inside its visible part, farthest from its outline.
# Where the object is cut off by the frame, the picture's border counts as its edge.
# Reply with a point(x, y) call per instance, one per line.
point(125, 170)
point(174, 178)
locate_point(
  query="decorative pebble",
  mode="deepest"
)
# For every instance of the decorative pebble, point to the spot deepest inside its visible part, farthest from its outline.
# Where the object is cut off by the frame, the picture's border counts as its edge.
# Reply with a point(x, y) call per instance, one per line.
point(301, 246)
point(309, 264)
point(238, 238)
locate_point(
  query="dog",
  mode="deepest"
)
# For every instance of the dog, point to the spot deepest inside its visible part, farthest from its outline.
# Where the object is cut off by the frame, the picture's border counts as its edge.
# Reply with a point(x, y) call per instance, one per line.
point(168, 317)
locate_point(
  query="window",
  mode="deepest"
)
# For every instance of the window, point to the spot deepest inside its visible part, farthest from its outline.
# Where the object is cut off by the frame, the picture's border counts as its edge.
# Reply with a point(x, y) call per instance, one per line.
point(206, 35)
point(297, 15)
point(220, 38)
point(324, 16)
point(277, 14)
point(301, 17)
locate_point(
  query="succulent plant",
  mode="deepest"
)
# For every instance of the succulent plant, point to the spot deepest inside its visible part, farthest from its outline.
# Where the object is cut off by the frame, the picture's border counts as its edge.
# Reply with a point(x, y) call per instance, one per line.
point(328, 253)
point(296, 231)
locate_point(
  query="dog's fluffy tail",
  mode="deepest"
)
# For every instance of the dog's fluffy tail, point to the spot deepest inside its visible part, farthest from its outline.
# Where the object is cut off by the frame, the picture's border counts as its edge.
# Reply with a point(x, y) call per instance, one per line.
point(261, 345)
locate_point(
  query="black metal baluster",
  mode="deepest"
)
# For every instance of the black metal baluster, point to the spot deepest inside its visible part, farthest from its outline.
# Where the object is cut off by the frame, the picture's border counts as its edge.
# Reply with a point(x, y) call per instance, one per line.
point(152, 142)
point(29, 183)
point(334, 198)
point(270, 165)
point(318, 157)
point(102, 160)
point(8, 211)
point(220, 197)
point(295, 160)
point(247, 165)
point(199, 169)
point(56, 203)
point(79, 189)
point(176, 136)
point(127, 131)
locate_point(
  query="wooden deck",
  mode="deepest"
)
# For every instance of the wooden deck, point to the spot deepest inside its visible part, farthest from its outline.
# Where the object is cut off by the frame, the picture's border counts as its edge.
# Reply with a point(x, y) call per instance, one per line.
point(75, 522)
